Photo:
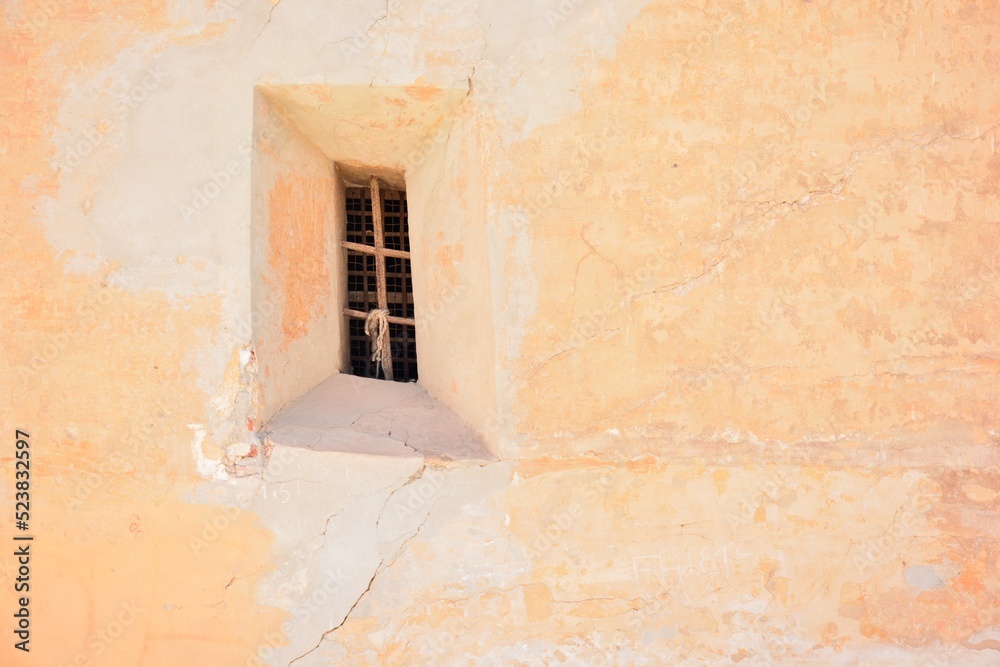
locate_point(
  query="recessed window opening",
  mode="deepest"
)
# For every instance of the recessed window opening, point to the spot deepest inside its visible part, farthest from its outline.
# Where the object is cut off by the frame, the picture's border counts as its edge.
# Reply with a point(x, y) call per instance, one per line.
point(380, 315)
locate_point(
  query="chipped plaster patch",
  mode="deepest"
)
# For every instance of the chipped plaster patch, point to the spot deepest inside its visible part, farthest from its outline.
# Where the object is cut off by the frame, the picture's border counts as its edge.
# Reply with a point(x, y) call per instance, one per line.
point(211, 468)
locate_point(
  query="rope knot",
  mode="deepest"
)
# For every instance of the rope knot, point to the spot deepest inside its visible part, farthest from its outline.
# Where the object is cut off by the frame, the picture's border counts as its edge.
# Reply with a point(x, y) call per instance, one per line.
point(377, 329)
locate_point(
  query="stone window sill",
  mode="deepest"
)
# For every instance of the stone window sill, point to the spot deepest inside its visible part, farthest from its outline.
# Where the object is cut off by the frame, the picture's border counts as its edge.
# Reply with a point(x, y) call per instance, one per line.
point(356, 415)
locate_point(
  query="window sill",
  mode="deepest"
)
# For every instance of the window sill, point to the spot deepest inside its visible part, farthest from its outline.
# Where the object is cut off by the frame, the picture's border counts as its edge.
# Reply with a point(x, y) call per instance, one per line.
point(356, 415)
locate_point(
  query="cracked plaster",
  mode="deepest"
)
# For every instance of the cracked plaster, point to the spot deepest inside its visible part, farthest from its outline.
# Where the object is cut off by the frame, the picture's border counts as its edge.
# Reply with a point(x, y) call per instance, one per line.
point(791, 220)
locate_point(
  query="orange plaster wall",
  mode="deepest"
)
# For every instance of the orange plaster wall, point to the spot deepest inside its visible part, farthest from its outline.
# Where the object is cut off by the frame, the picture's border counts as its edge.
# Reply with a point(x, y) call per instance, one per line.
point(769, 224)
point(101, 378)
point(296, 268)
point(814, 285)
point(300, 211)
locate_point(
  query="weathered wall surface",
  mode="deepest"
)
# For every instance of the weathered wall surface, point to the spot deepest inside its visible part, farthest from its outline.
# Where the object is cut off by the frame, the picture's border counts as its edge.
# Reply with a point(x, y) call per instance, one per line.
point(296, 264)
point(786, 233)
point(455, 335)
point(741, 361)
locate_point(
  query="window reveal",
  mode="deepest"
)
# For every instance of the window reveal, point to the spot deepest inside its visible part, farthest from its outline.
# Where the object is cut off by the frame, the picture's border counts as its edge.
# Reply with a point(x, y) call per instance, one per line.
point(379, 278)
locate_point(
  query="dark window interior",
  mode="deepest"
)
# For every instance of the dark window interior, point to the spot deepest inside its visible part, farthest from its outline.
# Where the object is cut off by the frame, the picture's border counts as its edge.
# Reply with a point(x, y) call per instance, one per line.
point(363, 287)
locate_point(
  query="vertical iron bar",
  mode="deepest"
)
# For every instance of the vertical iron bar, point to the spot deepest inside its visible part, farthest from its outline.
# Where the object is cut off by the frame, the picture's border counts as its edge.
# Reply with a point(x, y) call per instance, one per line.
point(380, 280)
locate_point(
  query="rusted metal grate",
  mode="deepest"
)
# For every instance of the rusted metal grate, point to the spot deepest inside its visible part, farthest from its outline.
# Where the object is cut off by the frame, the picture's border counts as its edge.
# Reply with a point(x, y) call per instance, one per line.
point(379, 276)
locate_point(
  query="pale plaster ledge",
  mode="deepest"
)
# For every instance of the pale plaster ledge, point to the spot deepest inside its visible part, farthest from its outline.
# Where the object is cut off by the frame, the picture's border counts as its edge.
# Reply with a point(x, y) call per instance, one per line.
point(354, 415)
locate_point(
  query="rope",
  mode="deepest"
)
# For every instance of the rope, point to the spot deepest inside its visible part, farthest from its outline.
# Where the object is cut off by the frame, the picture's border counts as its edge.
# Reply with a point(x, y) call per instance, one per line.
point(377, 328)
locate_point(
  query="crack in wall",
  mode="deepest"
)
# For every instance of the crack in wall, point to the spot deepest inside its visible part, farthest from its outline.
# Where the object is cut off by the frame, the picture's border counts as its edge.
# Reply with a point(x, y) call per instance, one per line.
point(270, 14)
point(382, 565)
point(302, 545)
point(385, 45)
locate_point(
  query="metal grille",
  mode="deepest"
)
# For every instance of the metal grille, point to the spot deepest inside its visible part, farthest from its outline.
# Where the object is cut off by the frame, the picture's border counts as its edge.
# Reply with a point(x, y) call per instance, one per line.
point(379, 276)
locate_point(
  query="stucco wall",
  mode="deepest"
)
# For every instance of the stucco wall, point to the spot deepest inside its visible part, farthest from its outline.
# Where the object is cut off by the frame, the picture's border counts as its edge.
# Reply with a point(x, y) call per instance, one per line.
point(733, 269)
point(297, 268)
point(784, 236)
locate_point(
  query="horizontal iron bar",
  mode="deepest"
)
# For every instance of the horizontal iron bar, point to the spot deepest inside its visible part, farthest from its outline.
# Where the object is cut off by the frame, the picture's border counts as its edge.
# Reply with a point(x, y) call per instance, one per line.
point(388, 252)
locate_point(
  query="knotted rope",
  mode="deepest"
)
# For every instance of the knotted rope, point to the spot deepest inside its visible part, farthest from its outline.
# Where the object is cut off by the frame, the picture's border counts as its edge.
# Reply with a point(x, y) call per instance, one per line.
point(377, 328)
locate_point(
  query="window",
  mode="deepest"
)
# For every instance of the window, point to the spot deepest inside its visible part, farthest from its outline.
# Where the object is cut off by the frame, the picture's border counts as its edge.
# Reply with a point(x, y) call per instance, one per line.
point(380, 317)
point(314, 146)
